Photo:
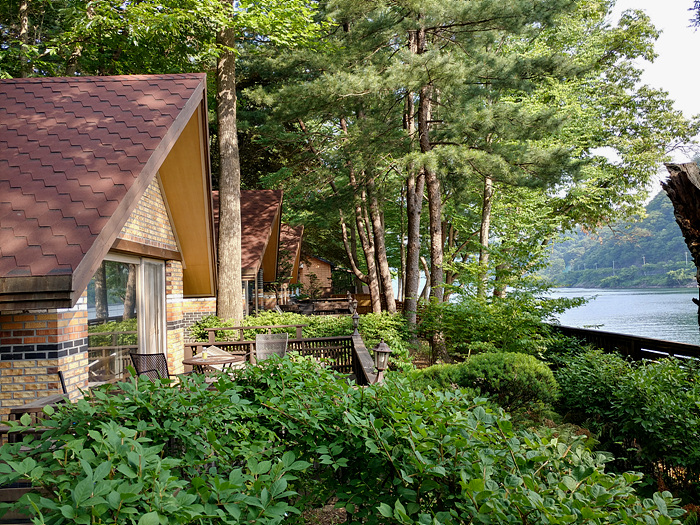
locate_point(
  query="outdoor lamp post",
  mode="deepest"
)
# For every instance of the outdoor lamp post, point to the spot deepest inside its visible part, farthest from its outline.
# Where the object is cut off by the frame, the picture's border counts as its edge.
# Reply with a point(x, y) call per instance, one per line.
point(381, 360)
point(355, 323)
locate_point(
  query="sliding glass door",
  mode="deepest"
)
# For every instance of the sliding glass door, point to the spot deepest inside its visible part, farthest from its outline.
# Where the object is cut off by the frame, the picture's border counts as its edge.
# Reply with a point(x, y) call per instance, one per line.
point(126, 313)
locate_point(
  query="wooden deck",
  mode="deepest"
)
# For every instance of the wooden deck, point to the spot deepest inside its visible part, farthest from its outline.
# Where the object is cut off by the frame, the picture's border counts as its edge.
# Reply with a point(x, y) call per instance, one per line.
point(344, 354)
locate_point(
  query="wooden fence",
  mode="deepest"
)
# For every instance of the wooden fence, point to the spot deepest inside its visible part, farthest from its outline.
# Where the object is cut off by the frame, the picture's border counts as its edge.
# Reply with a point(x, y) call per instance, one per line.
point(343, 354)
point(636, 348)
point(110, 361)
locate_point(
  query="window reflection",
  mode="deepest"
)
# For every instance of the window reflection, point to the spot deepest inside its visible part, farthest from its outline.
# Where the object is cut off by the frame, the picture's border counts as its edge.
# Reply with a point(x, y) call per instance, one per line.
point(112, 321)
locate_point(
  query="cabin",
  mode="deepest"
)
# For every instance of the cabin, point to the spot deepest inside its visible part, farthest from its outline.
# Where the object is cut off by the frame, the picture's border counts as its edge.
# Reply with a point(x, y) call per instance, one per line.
point(106, 226)
point(316, 275)
point(289, 261)
point(261, 221)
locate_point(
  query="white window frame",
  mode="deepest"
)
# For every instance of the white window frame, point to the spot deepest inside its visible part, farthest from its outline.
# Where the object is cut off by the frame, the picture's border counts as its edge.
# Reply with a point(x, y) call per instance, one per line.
point(146, 343)
point(152, 309)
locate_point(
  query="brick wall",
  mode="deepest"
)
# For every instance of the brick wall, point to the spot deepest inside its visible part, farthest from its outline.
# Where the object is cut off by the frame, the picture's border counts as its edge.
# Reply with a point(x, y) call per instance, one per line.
point(149, 224)
point(174, 316)
point(194, 310)
point(33, 344)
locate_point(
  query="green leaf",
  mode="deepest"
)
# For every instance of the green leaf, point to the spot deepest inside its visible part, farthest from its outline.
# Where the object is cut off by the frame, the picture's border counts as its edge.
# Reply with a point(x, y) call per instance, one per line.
point(150, 518)
point(385, 510)
point(68, 512)
point(82, 491)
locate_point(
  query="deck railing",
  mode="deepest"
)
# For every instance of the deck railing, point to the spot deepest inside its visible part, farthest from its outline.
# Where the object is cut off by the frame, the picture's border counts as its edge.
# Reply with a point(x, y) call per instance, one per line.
point(636, 348)
point(344, 354)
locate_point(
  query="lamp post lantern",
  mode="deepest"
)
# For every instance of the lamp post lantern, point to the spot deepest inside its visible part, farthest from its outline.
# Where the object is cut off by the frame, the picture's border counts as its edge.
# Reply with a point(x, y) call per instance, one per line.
point(381, 360)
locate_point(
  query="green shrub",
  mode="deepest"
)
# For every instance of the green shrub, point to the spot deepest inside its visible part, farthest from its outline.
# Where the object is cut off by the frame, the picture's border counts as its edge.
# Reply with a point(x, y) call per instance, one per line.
point(646, 412)
point(153, 453)
point(657, 411)
point(515, 323)
point(513, 381)
point(241, 452)
point(588, 382)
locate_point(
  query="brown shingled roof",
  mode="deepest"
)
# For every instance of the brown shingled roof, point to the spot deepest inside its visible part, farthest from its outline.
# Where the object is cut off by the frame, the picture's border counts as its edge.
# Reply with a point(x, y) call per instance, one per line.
point(290, 238)
point(259, 210)
point(76, 154)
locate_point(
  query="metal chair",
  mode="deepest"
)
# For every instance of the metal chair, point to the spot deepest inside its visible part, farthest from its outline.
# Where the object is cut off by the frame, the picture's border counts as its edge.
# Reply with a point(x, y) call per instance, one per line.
point(267, 345)
point(153, 366)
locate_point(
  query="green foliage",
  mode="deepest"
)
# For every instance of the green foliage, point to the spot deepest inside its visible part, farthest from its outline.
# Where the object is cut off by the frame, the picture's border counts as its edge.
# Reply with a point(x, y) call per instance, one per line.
point(588, 382)
point(515, 381)
point(242, 450)
point(647, 412)
point(373, 328)
point(129, 325)
point(154, 453)
point(514, 323)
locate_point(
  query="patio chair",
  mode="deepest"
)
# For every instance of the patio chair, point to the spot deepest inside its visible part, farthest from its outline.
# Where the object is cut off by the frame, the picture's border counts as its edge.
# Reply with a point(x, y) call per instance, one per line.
point(154, 366)
point(267, 345)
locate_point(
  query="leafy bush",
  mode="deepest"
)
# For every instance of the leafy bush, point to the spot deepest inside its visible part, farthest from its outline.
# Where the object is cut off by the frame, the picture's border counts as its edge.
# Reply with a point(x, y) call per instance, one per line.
point(128, 325)
point(373, 328)
point(515, 323)
point(588, 382)
point(513, 381)
point(242, 451)
point(153, 453)
point(647, 412)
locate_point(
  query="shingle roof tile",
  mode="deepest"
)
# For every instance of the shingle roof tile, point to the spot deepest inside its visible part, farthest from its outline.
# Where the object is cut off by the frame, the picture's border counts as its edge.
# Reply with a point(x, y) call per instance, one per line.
point(258, 211)
point(70, 150)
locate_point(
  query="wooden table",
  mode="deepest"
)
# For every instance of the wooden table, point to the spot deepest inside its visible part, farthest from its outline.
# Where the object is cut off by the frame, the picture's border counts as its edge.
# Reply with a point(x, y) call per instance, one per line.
point(199, 363)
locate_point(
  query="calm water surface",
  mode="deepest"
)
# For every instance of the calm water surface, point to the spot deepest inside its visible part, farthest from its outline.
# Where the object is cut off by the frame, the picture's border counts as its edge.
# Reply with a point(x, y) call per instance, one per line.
point(667, 314)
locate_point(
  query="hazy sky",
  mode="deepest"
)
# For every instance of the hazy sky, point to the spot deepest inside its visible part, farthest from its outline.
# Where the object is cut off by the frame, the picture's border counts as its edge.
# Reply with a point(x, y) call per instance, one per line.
point(675, 69)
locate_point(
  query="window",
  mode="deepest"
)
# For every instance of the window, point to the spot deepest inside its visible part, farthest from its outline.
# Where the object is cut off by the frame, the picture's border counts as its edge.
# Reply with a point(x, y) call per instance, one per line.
point(126, 313)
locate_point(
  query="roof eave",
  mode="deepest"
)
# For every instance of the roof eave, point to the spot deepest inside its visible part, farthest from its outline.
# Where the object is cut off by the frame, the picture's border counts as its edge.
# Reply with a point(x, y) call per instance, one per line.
point(34, 293)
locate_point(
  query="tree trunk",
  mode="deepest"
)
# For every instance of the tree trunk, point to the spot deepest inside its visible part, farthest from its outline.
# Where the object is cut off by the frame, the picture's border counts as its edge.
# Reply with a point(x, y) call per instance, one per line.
point(130, 294)
point(402, 249)
point(230, 298)
point(499, 286)
point(450, 275)
point(380, 249)
point(683, 188)
point(101, 303)
point(484, 232)
point(434, 200)
point(425, 105)
point(351, 249)
point(415, 187)
point(365, 233)
point(25, 67)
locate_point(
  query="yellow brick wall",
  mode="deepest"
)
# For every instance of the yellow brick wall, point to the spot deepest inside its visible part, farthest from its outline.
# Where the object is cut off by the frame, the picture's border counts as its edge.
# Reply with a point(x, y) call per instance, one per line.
point(149, 224)
point(34, 346)
point(321, 269)
point(174, 316)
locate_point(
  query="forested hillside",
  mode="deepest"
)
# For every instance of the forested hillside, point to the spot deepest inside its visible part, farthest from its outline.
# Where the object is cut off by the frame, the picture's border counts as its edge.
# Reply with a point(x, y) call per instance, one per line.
point(650, 252)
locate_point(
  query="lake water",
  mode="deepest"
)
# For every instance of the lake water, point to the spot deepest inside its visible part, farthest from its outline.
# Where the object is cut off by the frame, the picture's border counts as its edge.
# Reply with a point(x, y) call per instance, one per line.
point(667, 314)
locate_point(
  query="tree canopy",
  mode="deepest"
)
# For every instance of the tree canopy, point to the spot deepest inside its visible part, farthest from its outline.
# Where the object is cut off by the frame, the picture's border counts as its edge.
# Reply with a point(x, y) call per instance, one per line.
point(442, 138)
